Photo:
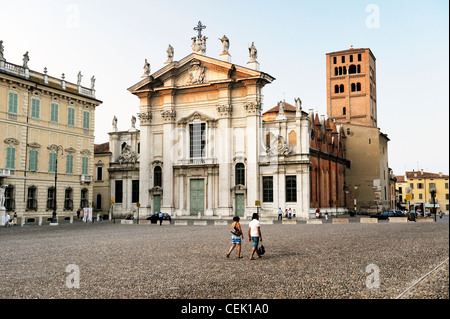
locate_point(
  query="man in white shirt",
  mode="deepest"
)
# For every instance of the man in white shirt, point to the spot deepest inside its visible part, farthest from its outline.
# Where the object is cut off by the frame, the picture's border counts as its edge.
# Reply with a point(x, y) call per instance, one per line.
point(254, 234)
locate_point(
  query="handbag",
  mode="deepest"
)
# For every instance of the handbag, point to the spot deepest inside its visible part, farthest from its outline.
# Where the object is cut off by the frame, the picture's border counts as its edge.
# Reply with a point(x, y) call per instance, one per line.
point(235, 230)
point(261, 250)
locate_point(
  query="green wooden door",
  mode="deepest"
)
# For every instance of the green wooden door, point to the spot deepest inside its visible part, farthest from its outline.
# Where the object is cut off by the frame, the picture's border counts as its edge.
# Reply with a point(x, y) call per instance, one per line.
point(240, 205)
point(156, 203)
point(197, 196)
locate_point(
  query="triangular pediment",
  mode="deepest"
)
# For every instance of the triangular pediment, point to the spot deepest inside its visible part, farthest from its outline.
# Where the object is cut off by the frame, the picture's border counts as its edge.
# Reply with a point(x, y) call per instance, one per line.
point(196, 70)
point(196, 116)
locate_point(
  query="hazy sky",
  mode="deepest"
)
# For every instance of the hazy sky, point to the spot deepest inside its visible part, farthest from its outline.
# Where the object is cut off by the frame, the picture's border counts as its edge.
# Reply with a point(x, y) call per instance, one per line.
point(111, 40)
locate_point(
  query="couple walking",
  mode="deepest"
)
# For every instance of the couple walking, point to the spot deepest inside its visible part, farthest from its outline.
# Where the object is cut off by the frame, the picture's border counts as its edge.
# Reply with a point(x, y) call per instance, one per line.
point(254, 235)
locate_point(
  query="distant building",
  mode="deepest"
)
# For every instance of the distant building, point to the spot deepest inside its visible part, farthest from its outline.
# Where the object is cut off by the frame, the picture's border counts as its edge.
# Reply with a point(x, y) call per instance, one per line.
point(419, 184)
point(101, 192)
point(352, 102)
point(46, 125)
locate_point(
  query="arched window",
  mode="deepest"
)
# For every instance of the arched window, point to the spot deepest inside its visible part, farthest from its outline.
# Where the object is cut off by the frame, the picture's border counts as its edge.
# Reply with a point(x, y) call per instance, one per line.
point(358, 86)
point(240, 174)
point(345, 70)
point(352, 69)
point(341, 88)
point(157, 174)
point(353, 87)
point(340, 70)
point(344, 111)
point(358, 68)
point(336, 88)
point(123, 146)
point(336, 71)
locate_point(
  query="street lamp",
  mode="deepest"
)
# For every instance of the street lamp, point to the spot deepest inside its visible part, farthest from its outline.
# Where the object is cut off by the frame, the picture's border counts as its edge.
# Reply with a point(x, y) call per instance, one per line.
point(58, 148)
point(433, 196)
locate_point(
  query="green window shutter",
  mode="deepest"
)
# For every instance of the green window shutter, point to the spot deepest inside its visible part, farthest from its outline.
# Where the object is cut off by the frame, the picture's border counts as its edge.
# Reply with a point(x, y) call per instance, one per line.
point(51, 162)
point(10, 158)
point(69, 164)
point(54, 113)
point(71, 116)
point(12, 103)
point(86, 120)
point(84, 166)
point(33, 160)
point(35, 108)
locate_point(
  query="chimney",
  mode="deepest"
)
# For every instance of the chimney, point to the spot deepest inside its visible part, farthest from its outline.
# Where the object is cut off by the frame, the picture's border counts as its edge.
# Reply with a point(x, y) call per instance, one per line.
point(440, 174)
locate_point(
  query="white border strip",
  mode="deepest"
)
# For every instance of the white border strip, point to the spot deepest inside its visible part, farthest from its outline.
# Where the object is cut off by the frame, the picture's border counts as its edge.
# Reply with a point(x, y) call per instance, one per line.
point(422, 278)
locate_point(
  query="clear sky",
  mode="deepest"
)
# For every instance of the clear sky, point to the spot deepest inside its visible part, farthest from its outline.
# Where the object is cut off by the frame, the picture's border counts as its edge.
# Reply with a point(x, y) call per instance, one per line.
point(111, 40)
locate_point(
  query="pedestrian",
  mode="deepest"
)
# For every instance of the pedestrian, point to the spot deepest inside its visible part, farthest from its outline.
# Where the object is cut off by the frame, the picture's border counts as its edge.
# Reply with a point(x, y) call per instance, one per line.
point(326, 216)
point(290, 213)
point(294, 214)
point(78, 213)
point(286, 213)
point(236, 235)
point(440, 214)
point(15, 218)
point(254, 234)
point(160, 217)
point(317, 213)
point(7, 220)
point(280, 214)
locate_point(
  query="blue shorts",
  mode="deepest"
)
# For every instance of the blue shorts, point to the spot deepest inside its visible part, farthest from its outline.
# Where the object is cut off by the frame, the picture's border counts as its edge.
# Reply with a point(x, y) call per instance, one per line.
point(235, 239)
point(255, 241)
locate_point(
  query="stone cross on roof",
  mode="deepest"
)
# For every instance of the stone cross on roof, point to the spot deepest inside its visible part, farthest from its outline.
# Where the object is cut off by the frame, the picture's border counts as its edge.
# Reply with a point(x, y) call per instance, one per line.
point(199, 29)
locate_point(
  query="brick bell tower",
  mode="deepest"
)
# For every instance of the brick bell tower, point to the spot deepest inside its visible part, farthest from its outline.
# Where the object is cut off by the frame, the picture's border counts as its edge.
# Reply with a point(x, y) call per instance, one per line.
point(351, 87)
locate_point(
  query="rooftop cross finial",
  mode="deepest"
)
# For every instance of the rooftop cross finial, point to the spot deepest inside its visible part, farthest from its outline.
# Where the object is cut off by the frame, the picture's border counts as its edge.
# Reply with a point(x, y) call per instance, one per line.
point(199, 29)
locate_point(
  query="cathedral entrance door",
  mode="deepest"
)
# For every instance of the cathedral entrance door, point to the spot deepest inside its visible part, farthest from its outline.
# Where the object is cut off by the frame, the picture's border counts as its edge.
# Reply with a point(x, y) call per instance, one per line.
point(197, 196)
point(156, 203)
point(240, 205)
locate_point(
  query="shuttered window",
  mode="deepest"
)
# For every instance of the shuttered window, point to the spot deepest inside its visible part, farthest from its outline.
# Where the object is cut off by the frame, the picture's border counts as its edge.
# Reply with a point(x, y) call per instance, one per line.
point(13, 102)
point(33, 160)
point(10, 158)
point(54, 113)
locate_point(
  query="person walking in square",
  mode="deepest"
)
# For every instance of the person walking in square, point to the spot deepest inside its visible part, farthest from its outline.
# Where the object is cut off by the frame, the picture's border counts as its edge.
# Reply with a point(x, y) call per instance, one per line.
point(236, 235)
point(280, 214)
point(254, 234)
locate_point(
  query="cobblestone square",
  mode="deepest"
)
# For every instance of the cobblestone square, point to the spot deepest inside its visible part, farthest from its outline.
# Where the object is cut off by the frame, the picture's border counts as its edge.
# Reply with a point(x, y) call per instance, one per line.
point(302, 261)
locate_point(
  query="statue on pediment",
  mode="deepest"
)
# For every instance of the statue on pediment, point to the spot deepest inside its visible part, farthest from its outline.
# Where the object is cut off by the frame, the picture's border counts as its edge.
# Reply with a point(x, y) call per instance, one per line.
point(169, 54)
point(226, 44)
point(146, 68)
point(253, 52)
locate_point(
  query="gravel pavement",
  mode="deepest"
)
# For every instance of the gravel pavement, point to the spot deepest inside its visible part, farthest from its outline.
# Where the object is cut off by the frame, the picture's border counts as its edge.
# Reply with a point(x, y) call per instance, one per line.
point(178, 262)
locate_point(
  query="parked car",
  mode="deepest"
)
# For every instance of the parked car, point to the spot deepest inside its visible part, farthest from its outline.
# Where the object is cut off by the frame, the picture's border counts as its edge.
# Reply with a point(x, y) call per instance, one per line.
point(155, 217)
point(399, 213)
point(384, 215)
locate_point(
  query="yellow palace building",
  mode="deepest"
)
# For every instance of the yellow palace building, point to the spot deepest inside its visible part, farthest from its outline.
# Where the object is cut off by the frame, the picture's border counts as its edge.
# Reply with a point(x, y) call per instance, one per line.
point(46, 132)
point(414, 188)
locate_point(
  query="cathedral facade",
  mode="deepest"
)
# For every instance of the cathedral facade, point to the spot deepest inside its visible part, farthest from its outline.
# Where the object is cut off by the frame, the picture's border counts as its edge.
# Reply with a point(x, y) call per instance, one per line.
point(206, 149)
